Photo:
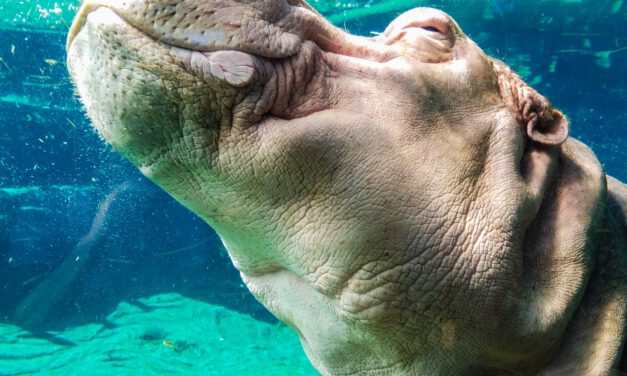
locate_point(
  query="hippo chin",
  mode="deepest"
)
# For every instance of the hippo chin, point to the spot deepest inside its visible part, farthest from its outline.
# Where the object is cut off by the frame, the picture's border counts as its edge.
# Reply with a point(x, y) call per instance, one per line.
point(405, 203)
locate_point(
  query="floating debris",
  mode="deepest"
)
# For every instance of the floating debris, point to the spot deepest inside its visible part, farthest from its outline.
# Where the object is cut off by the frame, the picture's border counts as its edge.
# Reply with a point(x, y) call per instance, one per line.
point(602, 58)
point(5, 65)
point(169, 344)
point(34, 208)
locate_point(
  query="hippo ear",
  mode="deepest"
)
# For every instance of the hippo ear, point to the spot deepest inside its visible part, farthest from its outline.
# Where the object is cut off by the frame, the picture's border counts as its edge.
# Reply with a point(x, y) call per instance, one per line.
point(538, 119)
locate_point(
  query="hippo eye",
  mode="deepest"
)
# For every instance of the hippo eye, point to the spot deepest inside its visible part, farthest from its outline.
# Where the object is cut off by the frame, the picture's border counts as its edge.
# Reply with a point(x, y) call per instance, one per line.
point(431, 28)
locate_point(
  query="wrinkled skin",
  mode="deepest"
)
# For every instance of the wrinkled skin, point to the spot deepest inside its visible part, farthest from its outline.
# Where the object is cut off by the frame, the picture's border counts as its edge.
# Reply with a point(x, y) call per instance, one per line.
point(405, 203)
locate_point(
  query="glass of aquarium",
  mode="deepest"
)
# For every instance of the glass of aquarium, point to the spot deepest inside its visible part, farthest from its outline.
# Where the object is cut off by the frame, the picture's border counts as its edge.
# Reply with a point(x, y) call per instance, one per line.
point(103, 272)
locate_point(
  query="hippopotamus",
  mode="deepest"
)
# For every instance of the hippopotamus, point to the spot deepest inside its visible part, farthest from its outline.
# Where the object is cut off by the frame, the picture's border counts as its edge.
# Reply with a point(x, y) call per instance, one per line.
point(407, 204)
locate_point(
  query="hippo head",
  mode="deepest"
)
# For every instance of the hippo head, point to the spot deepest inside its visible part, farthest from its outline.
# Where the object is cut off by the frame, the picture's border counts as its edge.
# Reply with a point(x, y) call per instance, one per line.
point(405, 203)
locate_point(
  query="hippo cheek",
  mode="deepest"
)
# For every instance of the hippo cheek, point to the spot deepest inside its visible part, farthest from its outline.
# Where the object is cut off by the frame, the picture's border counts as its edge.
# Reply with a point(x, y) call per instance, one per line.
point(134, 109)
point(156, 103)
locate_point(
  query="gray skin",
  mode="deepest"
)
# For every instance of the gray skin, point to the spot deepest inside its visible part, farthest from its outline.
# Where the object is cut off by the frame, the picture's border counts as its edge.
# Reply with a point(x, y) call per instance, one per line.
point(405, 203)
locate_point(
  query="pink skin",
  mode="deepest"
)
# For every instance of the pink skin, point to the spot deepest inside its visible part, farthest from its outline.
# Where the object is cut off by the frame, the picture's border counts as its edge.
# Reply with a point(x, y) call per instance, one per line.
point(407, 204)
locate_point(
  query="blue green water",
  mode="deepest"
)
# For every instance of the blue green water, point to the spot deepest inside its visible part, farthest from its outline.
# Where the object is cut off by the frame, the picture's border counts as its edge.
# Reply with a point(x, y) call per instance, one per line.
point(55, 174)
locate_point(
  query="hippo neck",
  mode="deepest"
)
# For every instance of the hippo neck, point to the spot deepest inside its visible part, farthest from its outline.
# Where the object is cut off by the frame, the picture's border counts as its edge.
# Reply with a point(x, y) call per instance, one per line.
point(596, 333)
point(572, 290)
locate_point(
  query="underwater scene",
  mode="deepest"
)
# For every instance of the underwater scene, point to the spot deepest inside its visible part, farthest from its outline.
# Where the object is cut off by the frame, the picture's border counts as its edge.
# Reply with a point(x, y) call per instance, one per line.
point(103, 273)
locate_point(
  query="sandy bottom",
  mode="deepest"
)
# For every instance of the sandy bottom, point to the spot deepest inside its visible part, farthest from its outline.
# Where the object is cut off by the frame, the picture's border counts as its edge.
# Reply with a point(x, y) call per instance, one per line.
point(166, 334)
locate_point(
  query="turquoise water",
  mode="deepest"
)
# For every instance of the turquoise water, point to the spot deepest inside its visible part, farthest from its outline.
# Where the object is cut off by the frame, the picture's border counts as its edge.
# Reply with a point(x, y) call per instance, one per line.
point(102, 273)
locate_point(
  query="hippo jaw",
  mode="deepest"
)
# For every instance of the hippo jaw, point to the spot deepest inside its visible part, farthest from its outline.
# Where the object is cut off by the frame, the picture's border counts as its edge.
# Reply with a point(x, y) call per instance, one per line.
point(377, 195)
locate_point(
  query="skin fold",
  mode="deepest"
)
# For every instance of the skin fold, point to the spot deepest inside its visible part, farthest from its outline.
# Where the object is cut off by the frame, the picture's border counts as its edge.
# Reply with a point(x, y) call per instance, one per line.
point(405, 203)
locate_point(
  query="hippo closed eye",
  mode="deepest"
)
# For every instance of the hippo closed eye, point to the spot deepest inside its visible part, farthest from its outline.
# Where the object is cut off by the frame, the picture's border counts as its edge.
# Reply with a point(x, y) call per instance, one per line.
point(407, 204)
